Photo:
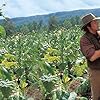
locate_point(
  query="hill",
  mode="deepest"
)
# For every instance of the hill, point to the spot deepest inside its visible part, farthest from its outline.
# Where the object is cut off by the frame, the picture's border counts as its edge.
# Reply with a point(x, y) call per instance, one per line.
point(60, 15)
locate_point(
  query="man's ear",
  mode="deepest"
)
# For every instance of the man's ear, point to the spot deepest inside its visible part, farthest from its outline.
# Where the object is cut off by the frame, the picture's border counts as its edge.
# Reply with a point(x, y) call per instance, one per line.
point(88, 27)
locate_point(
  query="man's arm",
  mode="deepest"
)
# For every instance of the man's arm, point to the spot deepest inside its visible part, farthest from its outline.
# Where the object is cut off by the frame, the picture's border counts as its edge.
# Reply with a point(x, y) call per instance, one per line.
point(95, 56)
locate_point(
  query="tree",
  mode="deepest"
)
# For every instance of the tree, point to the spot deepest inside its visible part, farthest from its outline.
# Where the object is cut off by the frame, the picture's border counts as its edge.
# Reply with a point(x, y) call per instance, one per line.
point(24, 29)
point(75, 20)
point(67, 24)
point(35, 26)
point(53, 23)
point(9, 26)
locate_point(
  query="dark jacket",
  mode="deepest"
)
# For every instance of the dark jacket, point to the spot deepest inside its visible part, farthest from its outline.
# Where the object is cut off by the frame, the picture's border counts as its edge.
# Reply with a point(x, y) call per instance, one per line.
point(88, 44)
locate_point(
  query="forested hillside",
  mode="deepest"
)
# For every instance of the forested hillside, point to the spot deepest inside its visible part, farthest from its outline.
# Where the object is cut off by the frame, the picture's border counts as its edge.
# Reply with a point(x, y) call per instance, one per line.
point(60, 15)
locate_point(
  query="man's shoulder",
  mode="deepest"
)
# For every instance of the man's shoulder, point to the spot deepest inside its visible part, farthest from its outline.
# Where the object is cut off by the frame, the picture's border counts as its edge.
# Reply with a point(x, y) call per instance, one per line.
point(83, 36)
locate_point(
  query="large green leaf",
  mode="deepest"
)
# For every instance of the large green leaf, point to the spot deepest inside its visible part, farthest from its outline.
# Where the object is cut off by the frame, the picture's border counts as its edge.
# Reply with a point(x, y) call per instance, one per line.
point(5, 72)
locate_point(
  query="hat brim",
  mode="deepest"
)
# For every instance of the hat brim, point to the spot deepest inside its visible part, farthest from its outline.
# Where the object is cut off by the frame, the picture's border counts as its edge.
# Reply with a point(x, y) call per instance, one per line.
point(97, 18)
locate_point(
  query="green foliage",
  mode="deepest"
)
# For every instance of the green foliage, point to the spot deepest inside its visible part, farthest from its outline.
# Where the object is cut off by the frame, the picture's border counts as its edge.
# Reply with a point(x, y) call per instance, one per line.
point(84, 87)
point(53, 23)
point(9, 26)
point(79, 69)
point(67, 24)
point(49, 82)
point(82, 98)
point(24, 29)
point(44, 59)
point(60, 95)
point(72, 96)
point(2, 31)
point(6, 87)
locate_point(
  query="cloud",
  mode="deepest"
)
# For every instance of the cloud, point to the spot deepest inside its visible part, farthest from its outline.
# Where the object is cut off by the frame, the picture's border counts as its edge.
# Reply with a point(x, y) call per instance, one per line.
point(21, 8)
point(50, 5)
point(17, 8)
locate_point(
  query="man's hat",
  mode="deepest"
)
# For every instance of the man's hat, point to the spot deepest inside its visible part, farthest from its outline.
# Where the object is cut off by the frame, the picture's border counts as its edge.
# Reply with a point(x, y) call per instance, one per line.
point(88, 18)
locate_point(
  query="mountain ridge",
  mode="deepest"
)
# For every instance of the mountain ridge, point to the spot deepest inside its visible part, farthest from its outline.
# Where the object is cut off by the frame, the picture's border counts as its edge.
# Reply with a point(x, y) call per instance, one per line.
point(60, 15)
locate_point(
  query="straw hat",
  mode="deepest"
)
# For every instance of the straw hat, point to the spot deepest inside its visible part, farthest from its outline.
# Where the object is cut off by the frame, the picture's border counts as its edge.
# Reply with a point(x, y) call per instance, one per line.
point(87, 19)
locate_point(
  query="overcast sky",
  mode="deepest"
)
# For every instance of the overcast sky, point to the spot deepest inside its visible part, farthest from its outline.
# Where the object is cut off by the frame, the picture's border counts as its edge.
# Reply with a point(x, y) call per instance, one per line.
point(23, 8)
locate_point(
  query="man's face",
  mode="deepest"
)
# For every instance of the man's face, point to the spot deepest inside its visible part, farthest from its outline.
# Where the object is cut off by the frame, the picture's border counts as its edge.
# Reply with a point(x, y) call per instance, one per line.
point(94, 25)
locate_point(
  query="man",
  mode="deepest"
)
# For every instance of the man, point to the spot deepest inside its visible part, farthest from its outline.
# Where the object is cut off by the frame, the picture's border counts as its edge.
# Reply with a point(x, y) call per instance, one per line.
point(90, 47)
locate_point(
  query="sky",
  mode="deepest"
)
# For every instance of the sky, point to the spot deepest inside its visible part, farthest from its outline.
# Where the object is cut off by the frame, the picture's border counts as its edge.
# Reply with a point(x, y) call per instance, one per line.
point(24, 8)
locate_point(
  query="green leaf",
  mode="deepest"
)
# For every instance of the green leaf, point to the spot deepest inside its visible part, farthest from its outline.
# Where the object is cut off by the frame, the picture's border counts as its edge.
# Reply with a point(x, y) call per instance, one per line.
point(2, 31)
point(6, 87)
point(6, 73)
point(84, 87)
point(72, 96)
point(82, 98)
